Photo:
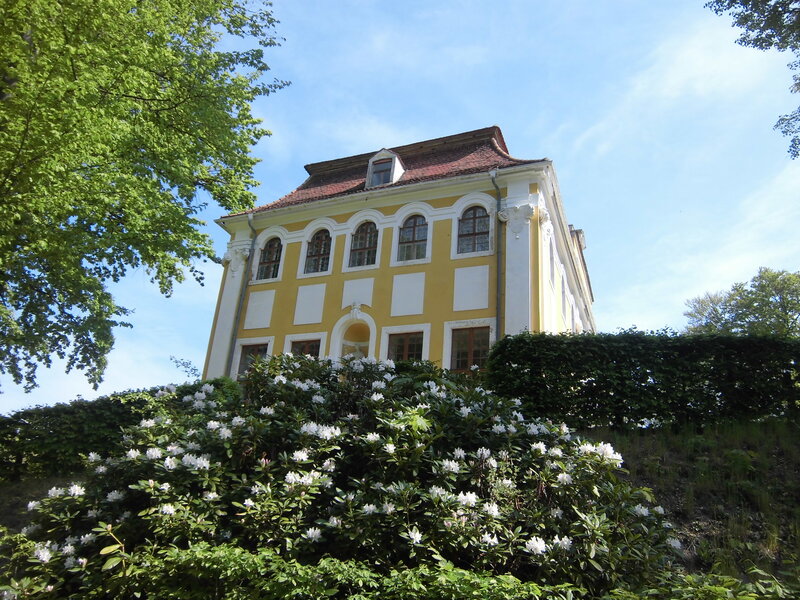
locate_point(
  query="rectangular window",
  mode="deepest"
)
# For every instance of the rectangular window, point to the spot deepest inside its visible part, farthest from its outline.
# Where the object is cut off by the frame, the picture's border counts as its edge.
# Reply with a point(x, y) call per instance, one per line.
point(381, 172)
point(249, 355)
point(310, 347)
point(405, 346)
point(470, 347)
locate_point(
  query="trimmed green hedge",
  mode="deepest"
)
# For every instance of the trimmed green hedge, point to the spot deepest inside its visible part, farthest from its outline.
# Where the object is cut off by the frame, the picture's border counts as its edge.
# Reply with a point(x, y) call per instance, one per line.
point(634, 378)
point(51, 440)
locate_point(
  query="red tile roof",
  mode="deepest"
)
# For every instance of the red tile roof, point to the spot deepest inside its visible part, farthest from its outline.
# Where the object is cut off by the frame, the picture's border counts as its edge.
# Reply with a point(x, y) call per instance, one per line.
point(460, 154)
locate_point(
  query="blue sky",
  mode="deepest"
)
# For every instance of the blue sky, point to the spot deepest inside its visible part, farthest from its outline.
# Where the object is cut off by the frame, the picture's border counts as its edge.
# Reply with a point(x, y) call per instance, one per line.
point(659, 126)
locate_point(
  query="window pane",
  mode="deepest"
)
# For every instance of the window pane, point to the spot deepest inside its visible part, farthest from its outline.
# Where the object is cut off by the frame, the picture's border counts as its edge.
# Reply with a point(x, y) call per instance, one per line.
point(310, 347)
point(250, 354)
point(413, 237)
point(469, 347)
point(318, 253)
point(405, 346)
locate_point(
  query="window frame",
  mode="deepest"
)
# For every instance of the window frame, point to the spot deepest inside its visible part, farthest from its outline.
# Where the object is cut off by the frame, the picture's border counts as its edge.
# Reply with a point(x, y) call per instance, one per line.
point(241, 343)
point(275, 263)
point(414, 242)
point(383, 157)
point(404, 336)
point(304, 350)
point(424, 328)
point(456, 212)
point(352, 250)
point(474, 236)
point(450, 326)
point(470, 347)
point(290, 338)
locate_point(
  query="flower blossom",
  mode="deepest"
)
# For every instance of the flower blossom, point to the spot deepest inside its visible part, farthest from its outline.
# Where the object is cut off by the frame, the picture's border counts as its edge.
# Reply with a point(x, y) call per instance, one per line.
point(390, 448)
point(133, 454)
point(43, 554)
point(170, 463)
point(313, 534)
point(300, 455)
point(225, 433)
point(450, 466)
point(93, 457)
point(373, 437)
point(378, 385)
point(414, 535)
point(114, 496)
point(483, 453)
point(641, 511)
point(491, 509)
point(33, 505)
point(76, 490)
point(564, 543)
point(238, 421)
point(489, 539)
point(369, 509)
point(536, 545)
point(207, 388)
point(467, 498)
point(147, 423)
point(459, 454)
point(153, 453)
point(564, 478)
point(55, 492)
point(167, 509)
point(267, 410)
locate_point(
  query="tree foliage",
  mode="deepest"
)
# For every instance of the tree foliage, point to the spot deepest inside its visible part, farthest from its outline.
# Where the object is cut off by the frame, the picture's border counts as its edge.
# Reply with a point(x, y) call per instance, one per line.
point(118, 119)
point(770, 24)
point(769, 304)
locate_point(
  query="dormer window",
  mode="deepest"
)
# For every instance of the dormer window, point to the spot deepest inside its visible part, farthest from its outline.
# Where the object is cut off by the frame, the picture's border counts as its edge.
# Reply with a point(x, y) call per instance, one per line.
point(384, 168)
point(381, 172)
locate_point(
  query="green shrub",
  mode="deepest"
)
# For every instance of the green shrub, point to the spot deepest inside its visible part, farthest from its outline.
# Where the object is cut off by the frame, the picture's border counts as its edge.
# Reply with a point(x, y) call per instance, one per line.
point(635, 379)
point(54, 440)
point(347, 479)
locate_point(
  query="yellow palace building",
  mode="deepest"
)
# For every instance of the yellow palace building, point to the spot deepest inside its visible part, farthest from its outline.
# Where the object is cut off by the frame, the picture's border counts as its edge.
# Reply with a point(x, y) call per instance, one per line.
point(426, 251)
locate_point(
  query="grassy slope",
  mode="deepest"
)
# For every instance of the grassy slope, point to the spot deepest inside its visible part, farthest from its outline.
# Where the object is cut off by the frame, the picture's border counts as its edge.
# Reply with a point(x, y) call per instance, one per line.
point(733, 491)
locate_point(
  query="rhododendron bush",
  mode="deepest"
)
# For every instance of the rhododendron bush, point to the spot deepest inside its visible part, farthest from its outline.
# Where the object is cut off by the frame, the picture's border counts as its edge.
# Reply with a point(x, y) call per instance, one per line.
point(349, 478)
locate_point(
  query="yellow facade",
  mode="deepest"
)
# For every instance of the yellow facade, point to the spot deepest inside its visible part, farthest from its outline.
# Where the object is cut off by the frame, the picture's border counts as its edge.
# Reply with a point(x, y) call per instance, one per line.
point(357, 309)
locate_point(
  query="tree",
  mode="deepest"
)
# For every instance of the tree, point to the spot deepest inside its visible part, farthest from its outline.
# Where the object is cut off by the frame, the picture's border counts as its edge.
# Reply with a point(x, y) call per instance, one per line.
point(770, 24)
point(118, 120)
point(769, 304)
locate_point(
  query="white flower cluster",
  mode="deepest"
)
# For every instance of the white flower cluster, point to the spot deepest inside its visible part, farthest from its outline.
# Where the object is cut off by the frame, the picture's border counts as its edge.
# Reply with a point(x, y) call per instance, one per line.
point(324, 432)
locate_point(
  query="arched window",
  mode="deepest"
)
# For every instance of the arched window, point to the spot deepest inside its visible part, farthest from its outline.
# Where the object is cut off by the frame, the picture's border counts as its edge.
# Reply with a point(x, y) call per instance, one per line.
point(270, 260)
point(473, 230)
point(319, 252)
point(364, 245)
point(413, 238)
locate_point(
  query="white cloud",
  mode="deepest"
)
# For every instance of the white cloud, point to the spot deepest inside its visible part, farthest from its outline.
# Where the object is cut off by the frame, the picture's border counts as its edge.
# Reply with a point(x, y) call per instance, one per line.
point(702, 257)
point(697, 68)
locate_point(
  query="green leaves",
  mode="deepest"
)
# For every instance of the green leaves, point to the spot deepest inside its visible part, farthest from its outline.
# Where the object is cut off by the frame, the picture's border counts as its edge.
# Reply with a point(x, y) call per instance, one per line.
point(117, 120)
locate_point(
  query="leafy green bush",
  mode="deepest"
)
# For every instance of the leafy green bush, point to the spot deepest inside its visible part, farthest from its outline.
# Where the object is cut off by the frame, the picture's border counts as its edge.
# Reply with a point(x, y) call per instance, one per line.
point(344, 479)
point(634, 378)
point(54, 440)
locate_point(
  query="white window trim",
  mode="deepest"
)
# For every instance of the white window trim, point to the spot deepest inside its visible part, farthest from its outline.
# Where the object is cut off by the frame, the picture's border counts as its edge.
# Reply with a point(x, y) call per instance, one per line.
point(261, 240)
point(449, 326)
point(322, 336)
point(395, 173)
point(251, 341)
point(425, 328)
point(415, 208)
point(473, 199)
point(353, 224)
point(308, 233)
